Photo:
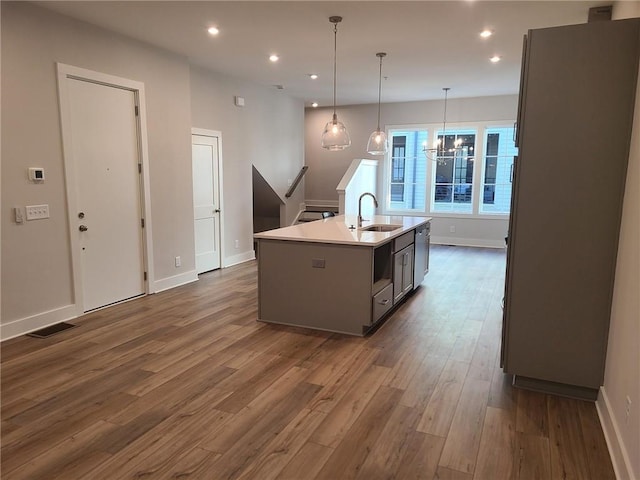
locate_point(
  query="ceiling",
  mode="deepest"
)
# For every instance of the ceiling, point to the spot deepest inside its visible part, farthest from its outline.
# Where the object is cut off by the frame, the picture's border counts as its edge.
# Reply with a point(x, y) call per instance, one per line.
point(429, 44)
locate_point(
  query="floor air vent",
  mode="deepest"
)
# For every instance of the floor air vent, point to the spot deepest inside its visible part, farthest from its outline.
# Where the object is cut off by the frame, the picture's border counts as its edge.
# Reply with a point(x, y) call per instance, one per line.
point(52, 330)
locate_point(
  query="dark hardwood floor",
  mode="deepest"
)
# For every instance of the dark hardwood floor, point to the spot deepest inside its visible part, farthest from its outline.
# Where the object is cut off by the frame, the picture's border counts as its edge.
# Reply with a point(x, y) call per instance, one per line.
point(186, 384)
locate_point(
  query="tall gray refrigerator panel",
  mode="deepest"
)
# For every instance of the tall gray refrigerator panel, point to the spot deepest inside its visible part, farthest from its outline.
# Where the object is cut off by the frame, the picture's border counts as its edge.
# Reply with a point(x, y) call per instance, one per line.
point(574, 127)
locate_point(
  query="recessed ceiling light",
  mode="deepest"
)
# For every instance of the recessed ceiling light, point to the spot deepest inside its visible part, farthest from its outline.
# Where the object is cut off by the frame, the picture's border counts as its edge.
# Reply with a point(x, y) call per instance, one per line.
point(313, 76)
point(495, 59)
point(213, 30)
point(274, 58)
point(486, 33)
point(314, 104)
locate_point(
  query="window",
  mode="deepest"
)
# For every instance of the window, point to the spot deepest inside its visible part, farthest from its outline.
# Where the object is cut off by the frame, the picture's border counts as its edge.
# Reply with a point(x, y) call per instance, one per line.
point(397, 168)
point(498, 170)
point(453, 179)
point(408, 174)
point(473, 178)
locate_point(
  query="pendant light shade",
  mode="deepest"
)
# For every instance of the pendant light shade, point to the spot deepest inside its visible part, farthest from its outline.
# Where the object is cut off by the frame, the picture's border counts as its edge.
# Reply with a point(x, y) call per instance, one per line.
point(378, 144)
point(335, 136)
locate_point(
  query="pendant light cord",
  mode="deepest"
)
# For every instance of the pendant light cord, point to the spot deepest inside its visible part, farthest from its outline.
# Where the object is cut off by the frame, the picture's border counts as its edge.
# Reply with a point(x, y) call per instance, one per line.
point(380, 88)
point(335, 62)
point(444, 119)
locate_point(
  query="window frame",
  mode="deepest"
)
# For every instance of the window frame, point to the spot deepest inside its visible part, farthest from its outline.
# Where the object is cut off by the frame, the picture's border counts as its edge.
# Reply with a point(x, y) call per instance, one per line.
point(432, 129)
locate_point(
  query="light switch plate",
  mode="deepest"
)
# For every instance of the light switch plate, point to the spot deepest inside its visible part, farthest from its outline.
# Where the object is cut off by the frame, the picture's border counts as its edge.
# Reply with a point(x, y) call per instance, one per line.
point(37, 212)
point(19, 216)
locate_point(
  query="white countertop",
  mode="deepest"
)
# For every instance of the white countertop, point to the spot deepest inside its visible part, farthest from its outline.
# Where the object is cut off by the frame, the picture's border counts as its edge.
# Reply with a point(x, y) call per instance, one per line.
point(336, 230)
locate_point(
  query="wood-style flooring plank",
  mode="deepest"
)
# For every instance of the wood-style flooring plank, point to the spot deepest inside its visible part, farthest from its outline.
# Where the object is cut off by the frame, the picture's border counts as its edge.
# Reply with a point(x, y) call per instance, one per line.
point(439, 412)
point(463, 440)
point(569, 458)
point(352, 451)
point(531, 459)
point(420, 458)
point(531, 416)
point(498, 437)
point(385, 457)
point(599, 462)
point(307, 463)
point(344, 414)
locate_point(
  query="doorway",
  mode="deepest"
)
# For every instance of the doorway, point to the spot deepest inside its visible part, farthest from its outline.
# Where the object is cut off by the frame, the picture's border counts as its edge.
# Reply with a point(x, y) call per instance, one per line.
point(102, 141)
point(205, 155)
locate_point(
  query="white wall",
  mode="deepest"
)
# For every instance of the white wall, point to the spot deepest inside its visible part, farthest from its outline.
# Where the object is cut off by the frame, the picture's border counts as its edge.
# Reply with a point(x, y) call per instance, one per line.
point(622, 372)
point(360, 177)
point(326, 168)
point(36, 260)
point(267, 132)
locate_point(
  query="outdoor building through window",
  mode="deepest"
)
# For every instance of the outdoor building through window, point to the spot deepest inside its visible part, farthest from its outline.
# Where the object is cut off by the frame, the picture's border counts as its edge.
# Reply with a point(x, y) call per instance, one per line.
point(498, 173)
point(408, 175)
point(453, 190)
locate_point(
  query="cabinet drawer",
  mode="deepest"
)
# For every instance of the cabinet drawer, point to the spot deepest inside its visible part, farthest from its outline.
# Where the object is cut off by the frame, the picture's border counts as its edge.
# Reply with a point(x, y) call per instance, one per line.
point(382, 302)
point(403, 241)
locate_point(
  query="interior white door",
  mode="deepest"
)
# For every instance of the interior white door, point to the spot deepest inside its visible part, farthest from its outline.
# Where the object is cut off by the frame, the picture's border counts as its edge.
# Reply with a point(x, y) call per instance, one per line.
point(109, 221)
point(206, 201)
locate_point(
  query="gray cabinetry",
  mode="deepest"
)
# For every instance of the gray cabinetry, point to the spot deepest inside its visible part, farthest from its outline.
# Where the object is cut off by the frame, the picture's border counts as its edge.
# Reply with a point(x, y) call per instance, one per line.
point(575, 117)
point(403, 259)
point(422, 243)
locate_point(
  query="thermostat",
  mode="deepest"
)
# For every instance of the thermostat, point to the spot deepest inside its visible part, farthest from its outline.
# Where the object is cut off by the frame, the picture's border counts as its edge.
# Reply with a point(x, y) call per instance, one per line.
point(36, 174)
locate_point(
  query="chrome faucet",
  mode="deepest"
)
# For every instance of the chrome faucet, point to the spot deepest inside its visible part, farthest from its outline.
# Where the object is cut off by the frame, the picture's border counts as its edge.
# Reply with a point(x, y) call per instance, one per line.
point(375, 203)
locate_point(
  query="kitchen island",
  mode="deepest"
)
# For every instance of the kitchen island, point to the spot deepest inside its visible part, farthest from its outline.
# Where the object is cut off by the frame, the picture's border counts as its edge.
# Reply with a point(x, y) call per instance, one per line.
point(331, 275)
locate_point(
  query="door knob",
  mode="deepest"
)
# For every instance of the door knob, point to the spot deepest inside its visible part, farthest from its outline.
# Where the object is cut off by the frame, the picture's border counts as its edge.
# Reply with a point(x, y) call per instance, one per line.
point(81, 215)
point(217, 210)
point(83, 228)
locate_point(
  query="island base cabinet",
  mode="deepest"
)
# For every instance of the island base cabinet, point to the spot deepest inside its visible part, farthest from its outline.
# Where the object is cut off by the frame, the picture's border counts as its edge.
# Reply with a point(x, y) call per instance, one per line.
point(421, 265)
point(382, 302)
point(402, 273)
point(320, 286)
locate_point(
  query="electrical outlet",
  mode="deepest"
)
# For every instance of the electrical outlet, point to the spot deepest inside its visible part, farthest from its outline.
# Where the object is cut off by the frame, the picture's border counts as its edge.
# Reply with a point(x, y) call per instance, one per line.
point(178, 261)
point(37, 212)
point(452, 229)
point(237, 243)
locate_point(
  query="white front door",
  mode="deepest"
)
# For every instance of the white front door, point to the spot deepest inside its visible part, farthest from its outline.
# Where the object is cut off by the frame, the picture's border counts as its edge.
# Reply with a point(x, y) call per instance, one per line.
point(206, 201)
point(108, 221)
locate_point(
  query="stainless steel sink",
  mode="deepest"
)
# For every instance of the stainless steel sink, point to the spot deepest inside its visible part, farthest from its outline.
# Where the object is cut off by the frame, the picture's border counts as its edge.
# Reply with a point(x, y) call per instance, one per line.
point(381, 228)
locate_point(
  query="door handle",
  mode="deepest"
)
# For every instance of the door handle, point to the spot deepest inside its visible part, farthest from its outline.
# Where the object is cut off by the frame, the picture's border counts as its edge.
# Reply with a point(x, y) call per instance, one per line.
point(83, 228)
point(217, 210)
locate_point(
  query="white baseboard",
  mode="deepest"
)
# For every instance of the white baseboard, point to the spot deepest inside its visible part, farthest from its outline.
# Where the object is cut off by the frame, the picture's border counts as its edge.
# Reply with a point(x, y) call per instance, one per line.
point(239, 258)
point(467, 242)
point(617, 449)
point(175, 281)
point(36, 322)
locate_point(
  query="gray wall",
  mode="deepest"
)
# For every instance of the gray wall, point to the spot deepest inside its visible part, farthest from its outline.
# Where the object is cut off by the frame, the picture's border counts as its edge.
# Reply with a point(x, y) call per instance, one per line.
point(326, 168)
point(267, 132)
point(36, 260)
point(36, 273)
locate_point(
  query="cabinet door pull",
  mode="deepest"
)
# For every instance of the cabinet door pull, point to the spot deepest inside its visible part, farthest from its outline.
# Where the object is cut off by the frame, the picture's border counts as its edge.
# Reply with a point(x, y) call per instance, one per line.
point(384, 302)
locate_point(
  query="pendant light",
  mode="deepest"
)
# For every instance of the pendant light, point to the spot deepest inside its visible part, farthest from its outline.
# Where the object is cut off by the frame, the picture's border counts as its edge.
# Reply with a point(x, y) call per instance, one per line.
point(439, 153)
point(335, 136)
point(377, 144)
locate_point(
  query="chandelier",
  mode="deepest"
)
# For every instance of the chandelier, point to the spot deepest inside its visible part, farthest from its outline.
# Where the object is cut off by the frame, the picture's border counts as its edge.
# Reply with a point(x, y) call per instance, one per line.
point(440, 152)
